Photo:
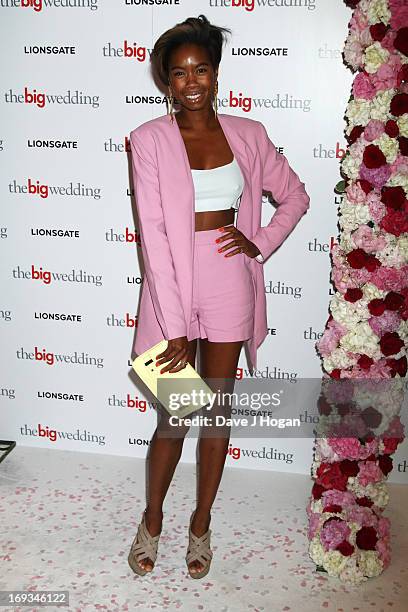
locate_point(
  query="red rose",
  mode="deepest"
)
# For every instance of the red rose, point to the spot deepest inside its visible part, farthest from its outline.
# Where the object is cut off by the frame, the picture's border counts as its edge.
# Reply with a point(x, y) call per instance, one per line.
point(344, 409)
point(395, 222)
point(323, 406)
point(372, 263)
point(366, 538)
point(365, 362)
point(332, 478)
point(376, 307)
point(371, 417)
point(401, 41)
point(357, 258)
point(322, 468)
point(403, 145)
point(402, 74)
point(332, 508)
point(385, 464)
point(349, 468)
point(371, 457)
point(335, 373)
point(391, 128)
point(353, 294)
point(390, 343)
point(398, 366)
point(373, 157)
point(317, 491)
point(399, 104)
point(393, 197)
point(345, 548)
point(390, 445)
point(355, 133)
point(364, 501)
point(365, 186)
point(393, 300)
point(378, 31)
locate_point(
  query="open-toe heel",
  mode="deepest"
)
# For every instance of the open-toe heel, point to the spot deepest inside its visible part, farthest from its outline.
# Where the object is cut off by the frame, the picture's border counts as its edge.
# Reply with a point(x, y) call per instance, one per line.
point(199, 550)
point(143, 546)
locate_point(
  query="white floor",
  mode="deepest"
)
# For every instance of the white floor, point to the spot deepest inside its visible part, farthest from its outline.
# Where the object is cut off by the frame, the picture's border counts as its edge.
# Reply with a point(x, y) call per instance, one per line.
point(68, 520)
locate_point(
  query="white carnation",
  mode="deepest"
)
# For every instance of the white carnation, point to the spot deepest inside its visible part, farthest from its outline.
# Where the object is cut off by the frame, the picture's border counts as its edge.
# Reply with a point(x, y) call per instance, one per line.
point(353, 215)
point(378, 11)
point(361, 339)
point(358, 111)
point(380, 104)
point(402, 123)
point(350, 166)
point(398, 180)
point(389, 146)
point(372, 292)
point(338, 359)
point(374, 56)
point(370, 564)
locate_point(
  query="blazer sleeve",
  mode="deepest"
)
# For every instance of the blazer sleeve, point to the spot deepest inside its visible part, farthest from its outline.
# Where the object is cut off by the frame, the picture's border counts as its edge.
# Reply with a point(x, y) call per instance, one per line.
point(157, 256)
point(288, 192)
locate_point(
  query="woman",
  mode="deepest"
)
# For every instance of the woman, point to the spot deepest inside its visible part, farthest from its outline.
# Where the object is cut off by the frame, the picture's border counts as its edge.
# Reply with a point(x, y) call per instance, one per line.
point(192, 171)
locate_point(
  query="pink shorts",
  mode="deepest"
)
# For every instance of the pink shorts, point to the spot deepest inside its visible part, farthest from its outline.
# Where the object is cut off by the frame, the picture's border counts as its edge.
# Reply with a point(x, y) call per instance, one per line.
point(223, 292)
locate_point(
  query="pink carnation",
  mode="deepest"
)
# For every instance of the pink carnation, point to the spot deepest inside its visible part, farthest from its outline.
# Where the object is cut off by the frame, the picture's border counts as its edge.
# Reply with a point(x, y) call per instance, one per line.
point(376, 207)
point(388, 322)
point(364, 517)
point(373, 129)
point(388, 41)
point(356, 195)
point(383, 549)
point(338, 498)
point(358, 21)
point(364, 238)
point(339, 392)
point(400, 164)
point(369, 473)
point(346, 448)
point(333, 533)
point(386, 75)
point(376, 176)
point(330, 338)
point(390, 279)
point(360, 277)
point(314, 519)
point(363, 87)
point(399, 13)
point(384, 525)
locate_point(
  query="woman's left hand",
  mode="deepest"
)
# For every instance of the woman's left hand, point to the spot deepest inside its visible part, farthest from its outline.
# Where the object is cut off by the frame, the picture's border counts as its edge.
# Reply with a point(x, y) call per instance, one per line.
point(242, 244)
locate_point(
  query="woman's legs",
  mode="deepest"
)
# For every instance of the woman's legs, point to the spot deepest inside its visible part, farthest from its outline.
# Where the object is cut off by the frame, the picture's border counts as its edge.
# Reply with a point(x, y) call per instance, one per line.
point(218, 361)
point(164, 455)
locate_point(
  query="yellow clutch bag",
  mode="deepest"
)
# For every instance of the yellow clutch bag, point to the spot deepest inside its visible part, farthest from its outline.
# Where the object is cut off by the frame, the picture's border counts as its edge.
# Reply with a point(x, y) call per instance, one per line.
point(181, 393)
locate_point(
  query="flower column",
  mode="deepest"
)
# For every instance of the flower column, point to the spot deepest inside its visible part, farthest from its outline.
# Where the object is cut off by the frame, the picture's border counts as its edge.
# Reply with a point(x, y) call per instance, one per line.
point(363, 347)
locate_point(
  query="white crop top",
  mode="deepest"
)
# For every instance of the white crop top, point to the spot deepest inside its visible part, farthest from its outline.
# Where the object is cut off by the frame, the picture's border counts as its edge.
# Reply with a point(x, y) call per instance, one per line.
point(219, 189)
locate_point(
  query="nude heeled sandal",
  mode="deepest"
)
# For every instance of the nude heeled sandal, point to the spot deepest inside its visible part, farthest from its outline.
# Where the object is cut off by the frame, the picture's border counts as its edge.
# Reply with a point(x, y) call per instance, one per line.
point(143, 546)
point(199, 550)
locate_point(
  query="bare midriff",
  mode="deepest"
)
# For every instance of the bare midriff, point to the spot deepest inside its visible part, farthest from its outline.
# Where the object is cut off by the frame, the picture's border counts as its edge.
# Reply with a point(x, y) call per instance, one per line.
point(212, 219)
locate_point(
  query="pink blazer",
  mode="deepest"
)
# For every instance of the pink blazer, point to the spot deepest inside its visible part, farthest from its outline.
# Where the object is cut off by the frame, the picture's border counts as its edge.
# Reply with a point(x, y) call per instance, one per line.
point(164, 194)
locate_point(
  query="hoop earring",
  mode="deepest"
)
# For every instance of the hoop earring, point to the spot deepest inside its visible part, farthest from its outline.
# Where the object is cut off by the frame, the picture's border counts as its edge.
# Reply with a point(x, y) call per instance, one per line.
point(216, 99)
point(170, 100)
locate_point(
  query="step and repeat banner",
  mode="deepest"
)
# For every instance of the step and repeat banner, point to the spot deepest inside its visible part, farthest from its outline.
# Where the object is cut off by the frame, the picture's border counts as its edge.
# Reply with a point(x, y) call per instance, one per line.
point(76, 81)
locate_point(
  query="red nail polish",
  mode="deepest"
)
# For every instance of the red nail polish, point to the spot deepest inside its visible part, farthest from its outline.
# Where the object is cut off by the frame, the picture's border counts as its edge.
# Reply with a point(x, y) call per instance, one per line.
point(218, 239)
point(219, 250)
point(220, 229)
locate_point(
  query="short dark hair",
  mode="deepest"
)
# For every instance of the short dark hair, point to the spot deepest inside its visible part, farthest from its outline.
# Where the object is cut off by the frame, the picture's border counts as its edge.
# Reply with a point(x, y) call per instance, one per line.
point(196, 30)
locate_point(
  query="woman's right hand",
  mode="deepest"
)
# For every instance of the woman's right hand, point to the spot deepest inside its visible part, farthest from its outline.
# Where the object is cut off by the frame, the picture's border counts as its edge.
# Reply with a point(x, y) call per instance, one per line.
point(176, 351)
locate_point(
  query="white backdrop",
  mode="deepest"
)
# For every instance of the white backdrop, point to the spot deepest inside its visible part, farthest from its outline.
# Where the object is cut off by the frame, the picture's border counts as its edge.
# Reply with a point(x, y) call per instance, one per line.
point(70, 277)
